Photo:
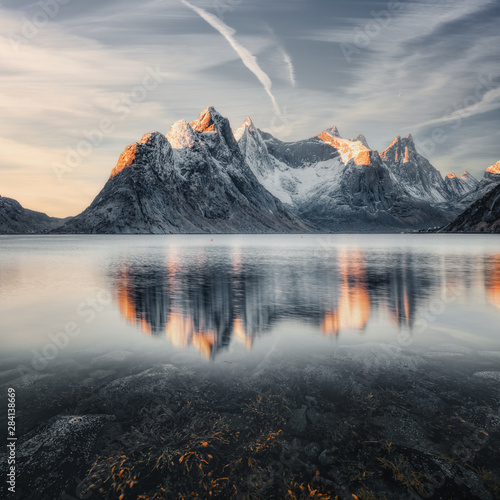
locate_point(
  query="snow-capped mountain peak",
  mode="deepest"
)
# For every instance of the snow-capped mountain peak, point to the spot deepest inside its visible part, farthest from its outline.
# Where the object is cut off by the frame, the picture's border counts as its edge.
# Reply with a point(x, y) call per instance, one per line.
point(140, 153)
point(400, 150)
point(203, 177)
point(362, 139)
point(333, 131)
point(247, 124)
point(494, 169)
point(469, 180)
point(418, 177)
point(181, 135)
point(207, 121)
point(215, 132)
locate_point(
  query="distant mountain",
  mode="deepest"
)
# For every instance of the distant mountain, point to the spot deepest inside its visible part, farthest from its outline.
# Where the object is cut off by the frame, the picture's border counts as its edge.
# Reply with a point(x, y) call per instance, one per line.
point(458, 187)
point(481, 216)
point(414, 172)
point(194, 180)
point(486, 184)
point(14, 219)
point(341, 184)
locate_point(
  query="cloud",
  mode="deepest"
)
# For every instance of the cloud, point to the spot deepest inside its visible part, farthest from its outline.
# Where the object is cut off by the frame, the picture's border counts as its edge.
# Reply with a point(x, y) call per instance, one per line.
point(291, 69)
point(248, 59)
point(420, 67)
point(490, 101)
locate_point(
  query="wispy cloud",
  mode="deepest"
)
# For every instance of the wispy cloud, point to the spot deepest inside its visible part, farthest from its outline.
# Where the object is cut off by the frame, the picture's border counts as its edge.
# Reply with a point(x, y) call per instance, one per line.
point(291, 69)
point(248, 59)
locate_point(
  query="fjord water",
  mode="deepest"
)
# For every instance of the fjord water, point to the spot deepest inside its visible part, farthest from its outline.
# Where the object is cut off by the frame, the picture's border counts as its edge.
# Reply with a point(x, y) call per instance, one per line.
point(230, 298)
point(334, 350)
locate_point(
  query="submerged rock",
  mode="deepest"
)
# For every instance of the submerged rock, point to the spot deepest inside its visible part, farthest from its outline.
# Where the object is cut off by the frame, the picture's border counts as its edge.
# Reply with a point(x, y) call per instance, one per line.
point(488, 375)
point(49, 459)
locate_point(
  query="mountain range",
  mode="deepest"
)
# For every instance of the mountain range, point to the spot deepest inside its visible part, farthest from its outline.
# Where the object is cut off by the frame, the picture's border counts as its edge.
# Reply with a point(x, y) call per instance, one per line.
point(203, 177)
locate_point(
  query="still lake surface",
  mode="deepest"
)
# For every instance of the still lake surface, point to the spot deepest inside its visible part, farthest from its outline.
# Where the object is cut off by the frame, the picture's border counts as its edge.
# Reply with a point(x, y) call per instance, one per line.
point(216, 299)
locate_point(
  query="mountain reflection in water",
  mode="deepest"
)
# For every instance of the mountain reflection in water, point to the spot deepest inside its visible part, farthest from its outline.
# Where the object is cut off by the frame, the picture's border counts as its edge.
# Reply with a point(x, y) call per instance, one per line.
point(493, 280)
point(208, 300)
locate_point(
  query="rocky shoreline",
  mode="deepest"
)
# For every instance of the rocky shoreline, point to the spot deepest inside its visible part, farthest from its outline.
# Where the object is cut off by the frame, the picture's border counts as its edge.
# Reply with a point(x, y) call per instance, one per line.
point(367, 422)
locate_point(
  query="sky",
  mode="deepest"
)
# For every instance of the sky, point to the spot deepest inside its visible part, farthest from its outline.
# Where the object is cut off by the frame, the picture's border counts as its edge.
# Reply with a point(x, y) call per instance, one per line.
point(82, 79)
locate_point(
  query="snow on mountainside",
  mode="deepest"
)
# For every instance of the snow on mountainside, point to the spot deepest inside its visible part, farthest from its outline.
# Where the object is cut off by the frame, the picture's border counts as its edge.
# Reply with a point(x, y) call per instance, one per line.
point(345, 185)
point(481, 216)
point(469, 180)
point(296, 168)
point(193, 180)
point(418, 177)
point(490, 179)
point(457, 187)
point(16, 219)
point(349, 150)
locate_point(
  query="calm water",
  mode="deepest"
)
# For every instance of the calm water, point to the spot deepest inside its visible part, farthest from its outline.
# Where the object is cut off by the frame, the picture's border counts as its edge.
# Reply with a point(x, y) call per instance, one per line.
point(227, 298)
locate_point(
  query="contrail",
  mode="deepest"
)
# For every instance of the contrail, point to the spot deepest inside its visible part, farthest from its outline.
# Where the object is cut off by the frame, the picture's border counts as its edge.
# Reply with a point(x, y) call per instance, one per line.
point(291, 69)
point(245, 55)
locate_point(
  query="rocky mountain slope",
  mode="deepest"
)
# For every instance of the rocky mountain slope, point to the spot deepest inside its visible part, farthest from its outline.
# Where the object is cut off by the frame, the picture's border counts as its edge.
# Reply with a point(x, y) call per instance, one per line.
point(481, 216)
point(490, 179)
point(14, 219)
point(459, 187)
point(414, 172)
point(341, 184)
point(194, 180)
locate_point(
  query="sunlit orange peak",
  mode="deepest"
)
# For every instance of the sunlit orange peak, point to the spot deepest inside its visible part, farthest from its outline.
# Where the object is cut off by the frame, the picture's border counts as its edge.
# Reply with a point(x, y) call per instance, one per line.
point(348, 149)
point(238, 133)
point(127, 158)
point(494, 169)
point(205, 122)
point(407, 155)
